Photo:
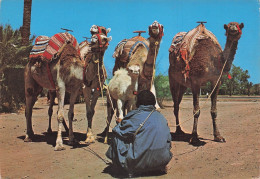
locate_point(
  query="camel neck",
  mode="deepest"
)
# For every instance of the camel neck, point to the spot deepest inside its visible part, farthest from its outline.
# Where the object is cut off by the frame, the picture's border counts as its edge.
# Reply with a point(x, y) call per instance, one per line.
point(229, 53)
point(151, 57)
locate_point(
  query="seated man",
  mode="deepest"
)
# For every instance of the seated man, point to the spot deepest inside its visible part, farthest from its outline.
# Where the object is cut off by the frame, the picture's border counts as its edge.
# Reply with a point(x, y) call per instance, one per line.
point(142, 141)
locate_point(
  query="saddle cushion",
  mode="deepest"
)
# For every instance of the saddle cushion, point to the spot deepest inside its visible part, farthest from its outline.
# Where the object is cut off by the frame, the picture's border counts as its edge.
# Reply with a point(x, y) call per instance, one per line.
point(46, 47)
point(127, 47)
point(39, 47)
point(183, 44)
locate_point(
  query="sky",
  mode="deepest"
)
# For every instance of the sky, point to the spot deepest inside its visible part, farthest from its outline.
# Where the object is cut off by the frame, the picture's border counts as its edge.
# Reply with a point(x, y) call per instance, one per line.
point(126, 16)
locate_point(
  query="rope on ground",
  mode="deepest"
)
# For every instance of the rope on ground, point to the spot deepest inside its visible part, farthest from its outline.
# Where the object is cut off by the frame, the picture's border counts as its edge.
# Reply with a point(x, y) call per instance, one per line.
point(97, 155)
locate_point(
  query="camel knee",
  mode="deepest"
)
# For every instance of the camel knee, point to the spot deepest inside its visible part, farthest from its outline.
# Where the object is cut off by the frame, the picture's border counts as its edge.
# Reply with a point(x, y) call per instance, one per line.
point(196, 113)
point(213, 114)
point(70, 115)
point(60, 119)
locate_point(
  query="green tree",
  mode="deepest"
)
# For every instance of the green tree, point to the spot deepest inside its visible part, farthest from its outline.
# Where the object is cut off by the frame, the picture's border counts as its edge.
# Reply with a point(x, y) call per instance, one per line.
point(12, 56)
point(162, 86)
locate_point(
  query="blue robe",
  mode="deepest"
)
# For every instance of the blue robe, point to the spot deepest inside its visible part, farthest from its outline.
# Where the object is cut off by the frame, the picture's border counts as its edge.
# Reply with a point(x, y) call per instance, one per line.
point(149, 149)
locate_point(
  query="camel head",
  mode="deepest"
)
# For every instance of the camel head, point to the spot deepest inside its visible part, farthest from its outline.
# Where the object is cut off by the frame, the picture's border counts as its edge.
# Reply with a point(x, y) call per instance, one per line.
point(99, 29)
point(134, 70)
point(99, 42)
point(233, 30)
point(156, 30)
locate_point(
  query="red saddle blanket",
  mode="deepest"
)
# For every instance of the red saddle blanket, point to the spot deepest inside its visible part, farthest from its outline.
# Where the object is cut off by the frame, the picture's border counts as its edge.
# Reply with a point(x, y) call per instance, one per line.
point(46, 47)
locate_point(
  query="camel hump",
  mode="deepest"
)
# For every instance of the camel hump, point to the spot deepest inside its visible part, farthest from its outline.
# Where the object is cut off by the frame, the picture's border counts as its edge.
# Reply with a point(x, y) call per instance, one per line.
point(184, 43)
point(127, 47)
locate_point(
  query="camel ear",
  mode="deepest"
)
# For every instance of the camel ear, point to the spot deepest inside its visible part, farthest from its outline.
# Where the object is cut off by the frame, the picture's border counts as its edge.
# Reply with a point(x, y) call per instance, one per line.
point(225, 26)
point(241, 26)
point(108, 30)
point(109, 38)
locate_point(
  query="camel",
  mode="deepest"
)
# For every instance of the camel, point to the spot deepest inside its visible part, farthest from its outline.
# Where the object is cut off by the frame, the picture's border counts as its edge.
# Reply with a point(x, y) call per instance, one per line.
point(66, 72)
point(121, 93)
point(145, 51)
point(194, 64)
point(95, 75)
point(138, 53)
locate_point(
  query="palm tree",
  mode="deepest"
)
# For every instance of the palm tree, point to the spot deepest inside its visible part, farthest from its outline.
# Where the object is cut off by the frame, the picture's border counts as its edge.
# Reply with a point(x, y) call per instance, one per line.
point(25, 30)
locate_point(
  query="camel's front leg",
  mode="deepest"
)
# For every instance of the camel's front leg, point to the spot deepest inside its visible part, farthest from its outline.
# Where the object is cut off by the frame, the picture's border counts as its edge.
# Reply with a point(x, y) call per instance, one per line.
point(90, 111)
point(196, 112)
point(61, 95)
point(110, 112)
point(73, 97)
point(52, 95)
point(217, 136)
point(177, 92)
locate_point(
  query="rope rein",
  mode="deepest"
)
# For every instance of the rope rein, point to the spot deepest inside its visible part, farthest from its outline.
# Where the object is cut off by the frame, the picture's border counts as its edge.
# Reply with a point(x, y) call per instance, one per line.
point(202, 106)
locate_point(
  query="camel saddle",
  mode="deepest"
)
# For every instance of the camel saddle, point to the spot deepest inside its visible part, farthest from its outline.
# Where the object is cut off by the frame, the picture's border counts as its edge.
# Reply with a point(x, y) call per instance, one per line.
point(45, 48)
point(183, 44)
point(127, 47)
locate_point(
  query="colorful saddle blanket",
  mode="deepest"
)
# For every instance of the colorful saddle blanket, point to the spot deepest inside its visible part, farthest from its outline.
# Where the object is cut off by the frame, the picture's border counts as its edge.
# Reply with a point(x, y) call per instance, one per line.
point(183, 44)
point(39, 47)
point(52, 46)
point(127, 47)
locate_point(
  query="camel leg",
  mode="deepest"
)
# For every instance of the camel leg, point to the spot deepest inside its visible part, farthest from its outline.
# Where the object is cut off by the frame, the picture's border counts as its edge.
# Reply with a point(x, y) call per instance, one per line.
point(90, 108)
point(110, 113)
point(32, 90)
point(120, 108)
point(52, 95)
point(196, 112)
point(177, 93)
point(61, 95)
point(154, 92)
point(73, 97)
point(217, 136)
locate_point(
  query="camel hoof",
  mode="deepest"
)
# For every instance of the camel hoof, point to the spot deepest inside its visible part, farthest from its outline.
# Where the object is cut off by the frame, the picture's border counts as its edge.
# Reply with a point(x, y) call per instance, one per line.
point(49, 131)
point(105, 140)
point(27, 138)
point(179, 132)
point(59, 147)
point(73, 142)
point(90, 139)
point(194, 140)
point(219, 139)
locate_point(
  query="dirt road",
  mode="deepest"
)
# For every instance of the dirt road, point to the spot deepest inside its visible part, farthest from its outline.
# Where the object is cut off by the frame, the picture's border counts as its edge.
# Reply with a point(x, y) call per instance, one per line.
point(239, 157)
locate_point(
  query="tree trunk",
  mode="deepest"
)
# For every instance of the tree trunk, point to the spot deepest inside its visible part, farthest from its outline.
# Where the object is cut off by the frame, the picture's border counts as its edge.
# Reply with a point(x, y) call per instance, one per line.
point(25, 30)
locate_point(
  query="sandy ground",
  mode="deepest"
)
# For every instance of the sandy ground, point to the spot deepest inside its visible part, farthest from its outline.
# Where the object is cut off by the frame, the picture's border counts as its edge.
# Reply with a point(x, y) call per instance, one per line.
point(239, 157)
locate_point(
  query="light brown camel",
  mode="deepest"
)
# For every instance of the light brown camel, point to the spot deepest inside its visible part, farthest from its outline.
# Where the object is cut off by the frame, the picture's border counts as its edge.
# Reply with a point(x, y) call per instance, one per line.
point(68, 72)
point(145, 59)
point(92, 53)
point(192, 65)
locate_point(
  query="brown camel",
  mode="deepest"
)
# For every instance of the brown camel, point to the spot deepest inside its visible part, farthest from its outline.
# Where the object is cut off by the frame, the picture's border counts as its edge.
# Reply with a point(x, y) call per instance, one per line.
point(144, 58)
point(195, 60)
point(67, 72)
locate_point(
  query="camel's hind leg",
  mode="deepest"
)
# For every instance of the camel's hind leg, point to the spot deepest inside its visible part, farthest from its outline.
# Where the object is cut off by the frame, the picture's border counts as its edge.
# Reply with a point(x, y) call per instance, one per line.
point(217, 136)
point(32, 90)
